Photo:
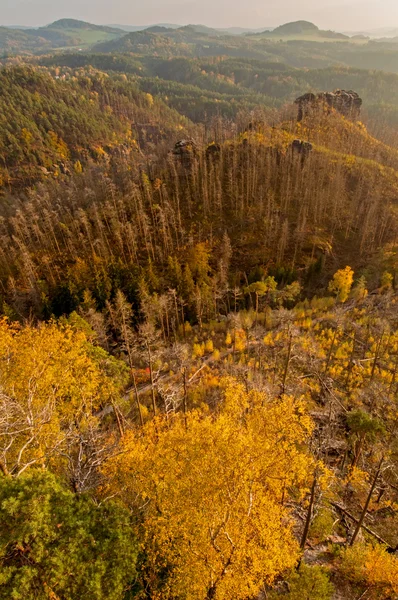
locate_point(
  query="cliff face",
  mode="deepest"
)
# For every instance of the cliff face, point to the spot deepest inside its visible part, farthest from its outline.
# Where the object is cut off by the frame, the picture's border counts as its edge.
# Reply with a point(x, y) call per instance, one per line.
point(346, 103)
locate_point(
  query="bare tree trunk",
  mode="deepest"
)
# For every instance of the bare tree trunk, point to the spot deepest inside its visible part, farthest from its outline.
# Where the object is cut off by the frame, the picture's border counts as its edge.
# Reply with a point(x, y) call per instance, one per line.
point(365, 508)
point(351, 363)
point(376, 357)
point(137, 399)
point(329, 358)
point(358, 451)
point(4, 469)
point(310, 513)
point(289, 354)
point(257, 303)
point(148, 347)
point(119, 422)
point(185, 398)
point(394, 375)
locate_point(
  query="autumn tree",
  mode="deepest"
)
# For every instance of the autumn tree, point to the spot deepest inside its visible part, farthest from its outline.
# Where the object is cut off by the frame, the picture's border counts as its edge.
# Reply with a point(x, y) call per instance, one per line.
point(371, 567)
point(341, 284)
point(210, 487)
point(52, 381)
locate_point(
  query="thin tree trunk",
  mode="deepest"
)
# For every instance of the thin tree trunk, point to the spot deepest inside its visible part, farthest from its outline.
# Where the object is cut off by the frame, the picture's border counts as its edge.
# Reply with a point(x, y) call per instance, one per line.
point(329, 358)
point(289, 354)
point(351, 363)
point(394, 375)
point(185, 398)
point(119, 423)
point(4, 469)
point(373, 533)
point(310, 513)
point(376, 357)
point(368, 499)
point(152, 381)
point(358, 451)
point(137, 399)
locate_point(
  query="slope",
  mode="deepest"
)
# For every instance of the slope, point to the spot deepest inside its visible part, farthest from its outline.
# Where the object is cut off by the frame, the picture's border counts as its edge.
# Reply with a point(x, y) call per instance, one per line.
point(47, 122)
point(296, 215)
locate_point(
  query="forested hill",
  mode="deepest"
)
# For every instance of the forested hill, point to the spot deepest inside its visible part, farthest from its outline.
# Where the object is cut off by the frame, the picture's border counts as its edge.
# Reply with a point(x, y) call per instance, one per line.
point(51, 124)
point(304, 29)
point(282, 209)
point(297, 44)
point(60, 34)
point(69, 24)
point(325, 49)
point(198, 316)
point(207, 87)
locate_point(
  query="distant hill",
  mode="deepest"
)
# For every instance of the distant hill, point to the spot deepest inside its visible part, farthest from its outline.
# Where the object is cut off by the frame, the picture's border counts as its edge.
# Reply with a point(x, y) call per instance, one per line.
point(299, 27)
point(198, 27)
point(75, 24)
point(243, 30)
point(188, 40)
point(21, 27)
point(304, 29)
point(139, 42)
point(17, 41)
point(133, 28)
point(65, 33)
point(386, 40)
point(164, 41)
point(382, 32)
point(201, 29)
point(157, 29)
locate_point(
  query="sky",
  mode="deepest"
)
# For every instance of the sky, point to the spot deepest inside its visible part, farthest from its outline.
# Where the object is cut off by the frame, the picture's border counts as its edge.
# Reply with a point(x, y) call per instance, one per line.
point(343, 15)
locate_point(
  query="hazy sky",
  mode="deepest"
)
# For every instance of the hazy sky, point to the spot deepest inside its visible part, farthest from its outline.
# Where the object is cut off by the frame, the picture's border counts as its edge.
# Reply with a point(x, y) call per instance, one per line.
point(334, 14)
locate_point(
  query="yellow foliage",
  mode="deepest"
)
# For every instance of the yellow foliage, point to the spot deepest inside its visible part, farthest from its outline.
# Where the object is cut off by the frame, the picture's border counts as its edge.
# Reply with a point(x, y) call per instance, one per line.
point(374, 567)
point(357, 479)
point(216, 355)
point(341, 283)
point(209, 347)
point(211, 491)
point(198, 350)
point(240, 340)
point(269, 340)
point(49, 382)
point(386, 281)
point(149, 99)
point(58, 145)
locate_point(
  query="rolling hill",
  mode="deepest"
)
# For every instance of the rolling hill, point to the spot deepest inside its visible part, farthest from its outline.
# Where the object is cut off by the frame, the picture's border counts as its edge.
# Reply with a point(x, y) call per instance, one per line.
point(304, 29)
point(51, 125)
point(64, 33)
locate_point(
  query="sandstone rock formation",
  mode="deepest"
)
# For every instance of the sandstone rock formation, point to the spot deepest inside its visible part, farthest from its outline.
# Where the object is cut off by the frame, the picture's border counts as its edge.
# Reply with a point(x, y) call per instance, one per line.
point(346, 103)
point(213, 151)
point(186, 151)
point(303, 148)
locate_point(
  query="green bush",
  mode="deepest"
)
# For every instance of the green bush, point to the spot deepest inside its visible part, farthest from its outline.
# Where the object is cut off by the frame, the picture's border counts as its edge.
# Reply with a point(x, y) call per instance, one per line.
point(310, 583)
point(55, 544)
point(322, 525)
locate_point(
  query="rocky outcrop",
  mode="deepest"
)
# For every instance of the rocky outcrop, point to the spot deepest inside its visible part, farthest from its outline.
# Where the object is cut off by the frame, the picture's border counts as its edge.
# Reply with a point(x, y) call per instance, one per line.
point(346, 103)
point(302, 148)
point(213, 151)
point(186, 150)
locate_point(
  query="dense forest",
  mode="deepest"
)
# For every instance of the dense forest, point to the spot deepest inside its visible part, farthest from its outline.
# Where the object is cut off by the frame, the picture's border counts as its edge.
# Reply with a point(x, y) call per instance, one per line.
point(198, 328)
